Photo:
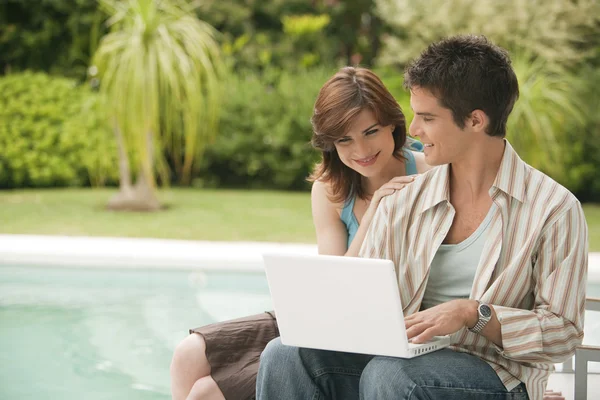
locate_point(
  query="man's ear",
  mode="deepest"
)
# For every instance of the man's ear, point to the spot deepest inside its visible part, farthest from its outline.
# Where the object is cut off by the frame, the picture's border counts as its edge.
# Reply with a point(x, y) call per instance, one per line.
point(478, 120)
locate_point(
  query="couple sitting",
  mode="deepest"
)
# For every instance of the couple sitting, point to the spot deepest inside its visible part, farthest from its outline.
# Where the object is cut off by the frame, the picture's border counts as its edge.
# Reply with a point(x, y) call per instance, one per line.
point(487, 249)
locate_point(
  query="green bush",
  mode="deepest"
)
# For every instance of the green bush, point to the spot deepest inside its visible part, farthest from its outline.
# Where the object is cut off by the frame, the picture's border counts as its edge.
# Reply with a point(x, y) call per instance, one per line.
point(265, 131)
point(56, 36)
point(51, 134)
point(582, 149)
point(393, 79)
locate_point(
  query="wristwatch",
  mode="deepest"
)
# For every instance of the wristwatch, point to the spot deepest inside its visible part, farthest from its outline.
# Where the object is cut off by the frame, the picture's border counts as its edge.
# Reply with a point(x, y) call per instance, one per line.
point(485, 314)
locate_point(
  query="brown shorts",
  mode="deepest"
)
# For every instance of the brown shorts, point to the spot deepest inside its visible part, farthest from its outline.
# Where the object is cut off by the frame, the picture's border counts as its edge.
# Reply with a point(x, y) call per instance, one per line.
point(233, 350)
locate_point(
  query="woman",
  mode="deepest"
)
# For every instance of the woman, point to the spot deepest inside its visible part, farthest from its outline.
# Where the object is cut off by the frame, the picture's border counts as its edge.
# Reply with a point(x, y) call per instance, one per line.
point(361, 132)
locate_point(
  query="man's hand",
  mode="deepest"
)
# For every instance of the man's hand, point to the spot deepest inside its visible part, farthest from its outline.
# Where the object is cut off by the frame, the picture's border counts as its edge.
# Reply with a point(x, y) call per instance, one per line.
point(443, 319)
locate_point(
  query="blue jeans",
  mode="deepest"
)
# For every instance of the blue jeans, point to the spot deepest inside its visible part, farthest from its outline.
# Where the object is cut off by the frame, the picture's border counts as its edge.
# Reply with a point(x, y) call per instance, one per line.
point(306, 374)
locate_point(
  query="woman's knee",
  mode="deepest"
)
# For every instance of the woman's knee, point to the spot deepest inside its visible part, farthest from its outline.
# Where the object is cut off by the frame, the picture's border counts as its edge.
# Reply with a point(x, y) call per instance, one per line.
point(190, 354)
point(205, 389)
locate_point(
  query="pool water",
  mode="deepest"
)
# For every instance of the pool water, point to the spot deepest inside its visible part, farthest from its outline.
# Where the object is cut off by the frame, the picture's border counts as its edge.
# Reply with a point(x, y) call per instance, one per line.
point(108, 334)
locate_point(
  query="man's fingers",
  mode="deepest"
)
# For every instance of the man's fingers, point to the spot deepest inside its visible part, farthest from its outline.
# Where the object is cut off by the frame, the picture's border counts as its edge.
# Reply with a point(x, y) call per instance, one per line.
point(412, 319)
point(425, 336)
point(417, 329)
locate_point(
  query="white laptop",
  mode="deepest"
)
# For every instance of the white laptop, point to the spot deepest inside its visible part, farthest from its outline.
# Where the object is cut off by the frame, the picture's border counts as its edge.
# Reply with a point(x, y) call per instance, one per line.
point(341, 303)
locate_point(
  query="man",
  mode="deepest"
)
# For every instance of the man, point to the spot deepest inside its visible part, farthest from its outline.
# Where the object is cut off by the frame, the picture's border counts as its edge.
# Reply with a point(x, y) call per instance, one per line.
point(486, 249)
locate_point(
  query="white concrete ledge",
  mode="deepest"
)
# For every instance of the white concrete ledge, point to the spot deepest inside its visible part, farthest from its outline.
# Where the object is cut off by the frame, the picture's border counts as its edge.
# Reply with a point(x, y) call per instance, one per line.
point(104, 252)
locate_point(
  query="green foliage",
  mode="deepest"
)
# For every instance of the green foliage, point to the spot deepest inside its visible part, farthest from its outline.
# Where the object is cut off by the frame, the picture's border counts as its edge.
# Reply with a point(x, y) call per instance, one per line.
point(265, 132)
point(295, 34)
point(306, 33)
point(548, 103)
point(393, 80)
point(90, 129)
point(60, 36)
point(304, 25)
point(582, 142)
point(560, 31)
point(47, 138)
point(50, 35)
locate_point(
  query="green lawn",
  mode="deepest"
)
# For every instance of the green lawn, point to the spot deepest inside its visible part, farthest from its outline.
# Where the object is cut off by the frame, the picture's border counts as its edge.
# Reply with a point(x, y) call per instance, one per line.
point(191, 214)
point(592, 215)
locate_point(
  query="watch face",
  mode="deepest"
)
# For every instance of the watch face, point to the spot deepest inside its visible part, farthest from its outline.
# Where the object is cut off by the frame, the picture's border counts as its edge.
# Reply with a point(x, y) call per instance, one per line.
point(485, 310)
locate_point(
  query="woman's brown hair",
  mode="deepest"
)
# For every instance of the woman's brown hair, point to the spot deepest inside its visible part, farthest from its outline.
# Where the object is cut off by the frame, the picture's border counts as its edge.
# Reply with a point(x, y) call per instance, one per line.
point(350, 91)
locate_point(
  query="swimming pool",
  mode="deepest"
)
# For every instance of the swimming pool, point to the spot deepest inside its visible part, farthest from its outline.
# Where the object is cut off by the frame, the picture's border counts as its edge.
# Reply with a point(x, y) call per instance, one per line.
point(96, 334)
point(69, 333)
point(99, 318)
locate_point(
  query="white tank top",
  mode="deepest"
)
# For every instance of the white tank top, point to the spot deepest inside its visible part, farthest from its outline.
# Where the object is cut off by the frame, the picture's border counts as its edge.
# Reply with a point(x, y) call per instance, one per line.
point(453, 267)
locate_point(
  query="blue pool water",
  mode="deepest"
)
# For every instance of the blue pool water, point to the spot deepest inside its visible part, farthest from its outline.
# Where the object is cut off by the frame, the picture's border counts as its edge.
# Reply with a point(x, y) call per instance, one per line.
point(109, 334)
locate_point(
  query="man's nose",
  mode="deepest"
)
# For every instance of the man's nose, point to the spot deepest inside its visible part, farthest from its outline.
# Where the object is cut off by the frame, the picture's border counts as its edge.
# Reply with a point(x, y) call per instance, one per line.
point(413, 129)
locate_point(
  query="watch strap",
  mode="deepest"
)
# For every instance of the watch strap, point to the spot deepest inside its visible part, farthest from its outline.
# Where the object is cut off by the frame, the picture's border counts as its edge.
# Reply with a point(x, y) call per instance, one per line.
point(481, 322)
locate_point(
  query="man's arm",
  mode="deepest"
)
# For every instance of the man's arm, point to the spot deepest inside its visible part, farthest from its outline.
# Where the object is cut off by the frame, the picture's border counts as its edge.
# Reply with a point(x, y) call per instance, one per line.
point(554, 328)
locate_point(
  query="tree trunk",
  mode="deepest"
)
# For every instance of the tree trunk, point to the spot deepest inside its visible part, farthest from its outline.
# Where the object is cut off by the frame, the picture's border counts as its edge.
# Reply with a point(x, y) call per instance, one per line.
point(124, 171)
point(142, 197)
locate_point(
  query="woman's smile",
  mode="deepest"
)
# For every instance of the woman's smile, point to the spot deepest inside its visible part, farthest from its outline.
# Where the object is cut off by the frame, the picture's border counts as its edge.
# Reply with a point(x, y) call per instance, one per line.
point(367, 161)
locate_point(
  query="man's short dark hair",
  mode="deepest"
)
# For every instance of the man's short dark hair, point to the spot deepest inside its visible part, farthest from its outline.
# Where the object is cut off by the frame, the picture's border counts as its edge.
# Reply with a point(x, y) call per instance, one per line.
point(467, 73)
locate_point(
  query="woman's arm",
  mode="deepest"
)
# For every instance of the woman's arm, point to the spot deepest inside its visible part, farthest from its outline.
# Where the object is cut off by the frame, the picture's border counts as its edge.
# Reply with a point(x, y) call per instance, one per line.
point(332, 235)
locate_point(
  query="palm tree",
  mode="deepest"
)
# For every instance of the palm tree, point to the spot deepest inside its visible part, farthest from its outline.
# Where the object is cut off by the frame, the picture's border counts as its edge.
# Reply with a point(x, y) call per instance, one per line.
point(159, 75)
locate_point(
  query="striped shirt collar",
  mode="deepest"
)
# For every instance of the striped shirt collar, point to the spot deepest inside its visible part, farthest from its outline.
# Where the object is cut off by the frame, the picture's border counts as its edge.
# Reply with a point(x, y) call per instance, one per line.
point(510, 180)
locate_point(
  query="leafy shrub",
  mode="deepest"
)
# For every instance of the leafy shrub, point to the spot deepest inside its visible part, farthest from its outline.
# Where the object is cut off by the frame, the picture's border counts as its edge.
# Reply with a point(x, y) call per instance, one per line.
point(562, 32)
point(51, 134)
point(549, 103)
point(265, 131)
point(393, 79)
point(582, 149)
point(56, 36)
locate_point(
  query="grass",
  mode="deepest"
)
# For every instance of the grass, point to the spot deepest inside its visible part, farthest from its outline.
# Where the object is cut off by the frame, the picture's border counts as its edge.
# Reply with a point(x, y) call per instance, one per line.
point(592, 215)
point(193, 214)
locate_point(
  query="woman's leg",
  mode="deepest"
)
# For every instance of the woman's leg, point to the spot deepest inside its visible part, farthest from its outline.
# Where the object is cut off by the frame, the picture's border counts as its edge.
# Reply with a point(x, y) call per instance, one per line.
point(190, 372)
point(205, 389)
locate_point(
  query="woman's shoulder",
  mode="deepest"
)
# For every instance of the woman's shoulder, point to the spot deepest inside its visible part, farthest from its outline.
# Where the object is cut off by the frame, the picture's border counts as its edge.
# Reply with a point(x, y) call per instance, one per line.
point(320, 188)
point(322, 193)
